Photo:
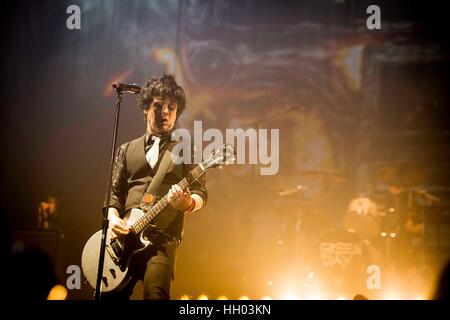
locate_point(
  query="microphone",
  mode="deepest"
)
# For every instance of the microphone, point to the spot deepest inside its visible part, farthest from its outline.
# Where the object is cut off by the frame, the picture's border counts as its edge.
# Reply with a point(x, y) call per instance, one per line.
point(124, 87)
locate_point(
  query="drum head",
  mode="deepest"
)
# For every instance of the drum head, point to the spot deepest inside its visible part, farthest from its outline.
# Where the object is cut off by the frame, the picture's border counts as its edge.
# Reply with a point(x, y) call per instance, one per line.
point(340, 261)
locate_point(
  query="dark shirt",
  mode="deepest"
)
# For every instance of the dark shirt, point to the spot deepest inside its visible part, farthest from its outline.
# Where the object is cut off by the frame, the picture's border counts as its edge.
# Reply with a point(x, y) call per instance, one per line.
point(132, 175)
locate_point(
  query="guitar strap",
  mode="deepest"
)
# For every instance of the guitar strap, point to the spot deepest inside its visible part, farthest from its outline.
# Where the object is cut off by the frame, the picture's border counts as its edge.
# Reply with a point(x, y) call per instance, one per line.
point(164, 163)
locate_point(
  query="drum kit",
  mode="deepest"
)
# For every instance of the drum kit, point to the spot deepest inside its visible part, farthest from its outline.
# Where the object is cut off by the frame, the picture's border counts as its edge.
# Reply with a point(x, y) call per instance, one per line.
point(365, 233)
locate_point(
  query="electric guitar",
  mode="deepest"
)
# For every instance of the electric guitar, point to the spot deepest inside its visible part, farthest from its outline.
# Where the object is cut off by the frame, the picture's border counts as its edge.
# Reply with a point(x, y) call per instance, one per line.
point(121, 252)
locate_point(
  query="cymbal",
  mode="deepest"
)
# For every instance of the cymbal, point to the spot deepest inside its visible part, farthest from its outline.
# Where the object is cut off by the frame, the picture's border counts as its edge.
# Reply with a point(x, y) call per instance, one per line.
point(290, 191)
point(430, 197)
point(401, 174)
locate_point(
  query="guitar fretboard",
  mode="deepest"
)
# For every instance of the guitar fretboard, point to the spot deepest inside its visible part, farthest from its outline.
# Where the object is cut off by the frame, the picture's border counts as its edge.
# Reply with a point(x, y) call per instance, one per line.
point(151, 214)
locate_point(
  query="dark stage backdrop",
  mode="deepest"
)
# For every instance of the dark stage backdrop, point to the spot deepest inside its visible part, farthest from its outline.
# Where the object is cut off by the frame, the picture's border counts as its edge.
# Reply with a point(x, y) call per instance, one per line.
point(347, 101)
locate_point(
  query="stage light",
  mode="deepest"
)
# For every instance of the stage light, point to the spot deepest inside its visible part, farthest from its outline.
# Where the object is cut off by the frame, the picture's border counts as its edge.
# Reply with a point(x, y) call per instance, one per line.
point(244, 298)
point(392, 296)
point(185, 297)
point(222, 298)
point(310, 275)
point(266, 298)
point(315, 296)
point(270, 283)
point(289, 296)
point(383, 234)
point(393, 234)
point(202, 297)
point(58, 292)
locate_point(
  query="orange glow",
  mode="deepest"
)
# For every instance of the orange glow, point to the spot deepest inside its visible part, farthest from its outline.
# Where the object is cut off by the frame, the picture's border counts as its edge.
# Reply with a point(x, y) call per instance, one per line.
point(392, 296)
point(289, 296)
point(170, 60)
point(58, 292)
point(315, 296)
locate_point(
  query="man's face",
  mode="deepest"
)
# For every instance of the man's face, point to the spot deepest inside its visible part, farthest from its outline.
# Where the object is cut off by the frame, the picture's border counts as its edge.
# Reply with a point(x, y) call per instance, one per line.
point(161, 115)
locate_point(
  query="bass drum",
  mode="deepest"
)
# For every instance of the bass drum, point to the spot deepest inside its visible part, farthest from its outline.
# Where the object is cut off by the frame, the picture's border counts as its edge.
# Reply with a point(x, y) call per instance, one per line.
point(340, 261)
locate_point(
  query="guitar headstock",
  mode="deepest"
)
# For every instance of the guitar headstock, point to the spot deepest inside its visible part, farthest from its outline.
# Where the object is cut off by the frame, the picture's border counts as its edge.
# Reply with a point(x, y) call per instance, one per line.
point(220, 156)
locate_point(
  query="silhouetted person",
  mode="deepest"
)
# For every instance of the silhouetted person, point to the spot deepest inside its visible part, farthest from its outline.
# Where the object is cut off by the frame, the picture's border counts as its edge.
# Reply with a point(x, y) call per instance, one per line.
point(31, 274)
point(28, 272)
point(360, 297)
point(441, 292)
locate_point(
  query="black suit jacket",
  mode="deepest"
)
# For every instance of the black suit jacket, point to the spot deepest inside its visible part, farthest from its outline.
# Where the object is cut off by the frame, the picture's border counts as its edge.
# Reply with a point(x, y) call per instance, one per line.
point(132, 175)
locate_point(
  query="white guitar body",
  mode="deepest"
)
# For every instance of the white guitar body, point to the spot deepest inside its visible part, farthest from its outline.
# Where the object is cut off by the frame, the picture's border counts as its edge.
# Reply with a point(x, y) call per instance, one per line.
point(115, 271)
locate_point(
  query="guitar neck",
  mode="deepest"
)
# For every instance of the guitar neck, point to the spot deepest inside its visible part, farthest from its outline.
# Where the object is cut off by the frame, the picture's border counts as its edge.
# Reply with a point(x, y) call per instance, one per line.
point(151, 214)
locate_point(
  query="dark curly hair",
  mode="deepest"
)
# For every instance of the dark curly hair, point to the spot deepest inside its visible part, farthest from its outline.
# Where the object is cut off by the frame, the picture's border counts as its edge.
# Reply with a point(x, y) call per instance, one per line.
point(165, 86)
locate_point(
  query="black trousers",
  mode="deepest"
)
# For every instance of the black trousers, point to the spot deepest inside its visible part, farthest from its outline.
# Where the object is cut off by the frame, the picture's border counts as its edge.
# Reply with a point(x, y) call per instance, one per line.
point(155, 268)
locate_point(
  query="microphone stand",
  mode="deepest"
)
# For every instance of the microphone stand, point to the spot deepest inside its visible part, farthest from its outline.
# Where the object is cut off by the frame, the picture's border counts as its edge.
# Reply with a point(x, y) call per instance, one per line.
point(105, 223)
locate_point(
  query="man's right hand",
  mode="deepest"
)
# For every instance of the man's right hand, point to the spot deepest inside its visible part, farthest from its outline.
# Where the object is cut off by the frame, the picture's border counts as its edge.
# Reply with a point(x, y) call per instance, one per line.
point(117, 226)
